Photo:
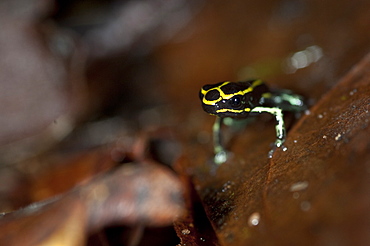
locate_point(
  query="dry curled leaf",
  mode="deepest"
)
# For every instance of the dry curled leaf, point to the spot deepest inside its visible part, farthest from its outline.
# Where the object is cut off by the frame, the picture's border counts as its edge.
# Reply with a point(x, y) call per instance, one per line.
point(134, 194)
point(137, 193)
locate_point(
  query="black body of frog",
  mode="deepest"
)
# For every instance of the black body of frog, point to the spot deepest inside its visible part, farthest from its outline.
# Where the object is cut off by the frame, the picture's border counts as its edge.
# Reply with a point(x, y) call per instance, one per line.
point(240, 100)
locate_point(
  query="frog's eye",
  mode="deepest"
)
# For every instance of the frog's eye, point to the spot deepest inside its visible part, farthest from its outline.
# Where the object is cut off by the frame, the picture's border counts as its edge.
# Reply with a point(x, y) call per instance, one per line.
point(236, 102)
point(212, 95)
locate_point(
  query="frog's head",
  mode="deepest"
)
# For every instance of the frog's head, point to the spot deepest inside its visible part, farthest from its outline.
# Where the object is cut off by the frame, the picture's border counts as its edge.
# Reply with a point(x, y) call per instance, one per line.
point(227, 99)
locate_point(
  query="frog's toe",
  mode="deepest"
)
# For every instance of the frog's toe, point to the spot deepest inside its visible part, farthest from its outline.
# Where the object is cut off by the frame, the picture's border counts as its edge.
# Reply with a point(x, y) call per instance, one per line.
point(220, 157)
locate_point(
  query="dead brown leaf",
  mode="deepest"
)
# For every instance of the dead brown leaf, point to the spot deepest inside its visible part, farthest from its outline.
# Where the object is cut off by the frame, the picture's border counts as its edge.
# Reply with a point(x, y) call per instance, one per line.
point(143, 194)
point(314, 193)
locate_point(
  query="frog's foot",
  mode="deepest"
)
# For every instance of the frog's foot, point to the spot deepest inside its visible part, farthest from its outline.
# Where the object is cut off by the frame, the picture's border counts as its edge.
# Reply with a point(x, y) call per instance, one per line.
point(271, 152)
point(220, 157)
point(279, 143)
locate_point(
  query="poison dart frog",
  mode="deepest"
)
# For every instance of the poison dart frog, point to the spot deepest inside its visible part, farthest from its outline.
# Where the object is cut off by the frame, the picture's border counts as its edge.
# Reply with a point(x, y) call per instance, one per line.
point(241, 100)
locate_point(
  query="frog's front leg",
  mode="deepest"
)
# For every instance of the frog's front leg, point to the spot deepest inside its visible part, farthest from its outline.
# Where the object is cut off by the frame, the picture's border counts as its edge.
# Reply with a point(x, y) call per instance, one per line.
point(219, 150)
point(280, 126)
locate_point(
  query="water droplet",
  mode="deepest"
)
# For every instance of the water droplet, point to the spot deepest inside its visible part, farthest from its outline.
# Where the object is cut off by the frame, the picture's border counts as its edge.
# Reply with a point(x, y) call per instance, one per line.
point(298, 186)
point(352, 92)
point(295, 195)
point(254, 219)
point(226, 186)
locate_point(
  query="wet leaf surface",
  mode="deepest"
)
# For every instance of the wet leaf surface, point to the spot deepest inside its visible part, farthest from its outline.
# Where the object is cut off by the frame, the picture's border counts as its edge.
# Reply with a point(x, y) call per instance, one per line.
point(99, 99)
point(316, 190)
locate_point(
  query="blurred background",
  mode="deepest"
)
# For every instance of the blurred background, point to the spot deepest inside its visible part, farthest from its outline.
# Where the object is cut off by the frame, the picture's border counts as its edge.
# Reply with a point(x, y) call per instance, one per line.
point(79, 77)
